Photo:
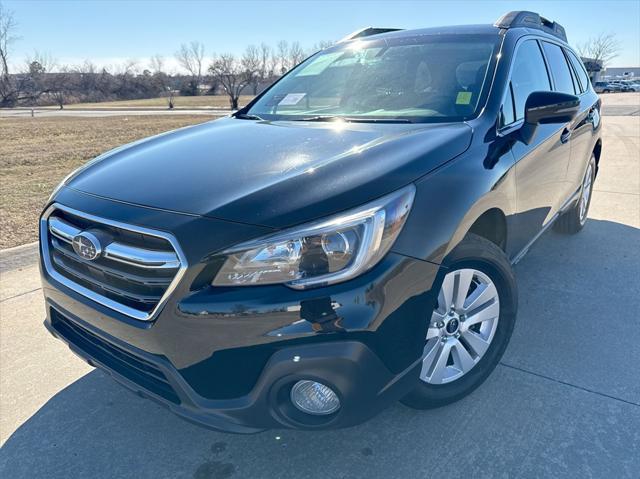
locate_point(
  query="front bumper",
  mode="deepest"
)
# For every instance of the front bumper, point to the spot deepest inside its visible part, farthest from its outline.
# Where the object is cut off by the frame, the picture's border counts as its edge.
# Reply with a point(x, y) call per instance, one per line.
point(365, 385)
point(226, 358)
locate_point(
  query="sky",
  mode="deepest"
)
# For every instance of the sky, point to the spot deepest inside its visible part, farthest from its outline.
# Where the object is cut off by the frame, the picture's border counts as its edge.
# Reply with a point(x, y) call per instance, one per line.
point(111, 32)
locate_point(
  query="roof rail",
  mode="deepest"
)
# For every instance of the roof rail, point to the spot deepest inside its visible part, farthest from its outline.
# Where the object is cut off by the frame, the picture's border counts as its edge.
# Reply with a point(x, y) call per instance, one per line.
point(367, 32)
point(523, 18)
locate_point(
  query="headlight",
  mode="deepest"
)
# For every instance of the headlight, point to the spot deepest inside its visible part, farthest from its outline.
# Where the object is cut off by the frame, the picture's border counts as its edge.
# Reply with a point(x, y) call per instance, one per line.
point(323, 252)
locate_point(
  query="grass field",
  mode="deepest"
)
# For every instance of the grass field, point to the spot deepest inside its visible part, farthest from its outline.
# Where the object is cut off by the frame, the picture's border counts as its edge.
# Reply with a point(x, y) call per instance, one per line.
point(179, 102)
point(36, 154)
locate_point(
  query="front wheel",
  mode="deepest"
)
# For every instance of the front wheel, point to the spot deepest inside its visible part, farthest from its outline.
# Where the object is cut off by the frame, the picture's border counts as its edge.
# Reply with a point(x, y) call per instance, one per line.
point(471, 325)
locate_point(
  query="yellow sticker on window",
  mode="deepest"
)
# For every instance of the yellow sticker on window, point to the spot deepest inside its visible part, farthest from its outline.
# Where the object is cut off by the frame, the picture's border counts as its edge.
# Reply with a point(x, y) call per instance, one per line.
point(464, 98)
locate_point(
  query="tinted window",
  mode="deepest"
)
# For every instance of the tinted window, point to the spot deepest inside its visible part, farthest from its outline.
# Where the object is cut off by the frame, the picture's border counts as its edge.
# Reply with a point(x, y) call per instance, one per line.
point(508, 115)
point(429, 78)
point(579, 68)
point(528, 74)
point(559, 68)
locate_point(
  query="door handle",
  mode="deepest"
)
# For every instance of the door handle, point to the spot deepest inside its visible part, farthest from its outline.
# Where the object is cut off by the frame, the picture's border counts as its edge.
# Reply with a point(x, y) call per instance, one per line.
point(566, 135)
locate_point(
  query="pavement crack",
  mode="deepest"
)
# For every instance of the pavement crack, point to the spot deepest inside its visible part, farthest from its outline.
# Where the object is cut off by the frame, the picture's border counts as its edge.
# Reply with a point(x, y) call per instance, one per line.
point(526, 371)
point(19, 294)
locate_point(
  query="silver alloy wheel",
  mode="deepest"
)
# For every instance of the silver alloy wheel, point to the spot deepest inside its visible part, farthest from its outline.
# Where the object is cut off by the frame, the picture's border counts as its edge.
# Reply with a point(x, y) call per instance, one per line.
point(462, 326)
point(586, 193)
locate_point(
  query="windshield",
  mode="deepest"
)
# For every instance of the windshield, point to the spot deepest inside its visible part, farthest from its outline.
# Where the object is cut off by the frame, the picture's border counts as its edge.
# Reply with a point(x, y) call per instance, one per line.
point(425, 78)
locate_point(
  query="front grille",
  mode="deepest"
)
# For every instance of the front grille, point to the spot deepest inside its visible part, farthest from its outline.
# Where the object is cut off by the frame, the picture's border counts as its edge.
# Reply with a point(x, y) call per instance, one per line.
point(132, 367)
point(135, 268)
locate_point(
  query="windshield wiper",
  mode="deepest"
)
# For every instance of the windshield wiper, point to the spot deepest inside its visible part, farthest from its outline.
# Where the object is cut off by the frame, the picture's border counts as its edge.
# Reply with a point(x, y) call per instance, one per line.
point(247, 116)
point(353, 119)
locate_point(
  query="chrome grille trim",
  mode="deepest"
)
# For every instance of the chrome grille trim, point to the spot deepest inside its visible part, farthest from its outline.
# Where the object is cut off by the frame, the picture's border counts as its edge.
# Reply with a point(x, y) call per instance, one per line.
point(141, 257)
point(62, 230)
point(117, 251)
point(133, 256)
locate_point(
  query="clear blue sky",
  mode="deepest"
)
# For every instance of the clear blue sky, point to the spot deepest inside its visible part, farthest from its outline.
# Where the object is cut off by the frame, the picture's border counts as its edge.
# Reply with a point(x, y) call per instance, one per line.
point(110, 31)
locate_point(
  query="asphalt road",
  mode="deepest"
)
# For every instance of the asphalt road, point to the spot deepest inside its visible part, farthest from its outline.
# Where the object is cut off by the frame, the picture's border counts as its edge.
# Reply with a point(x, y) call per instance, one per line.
point(26, 113)
point(614, 104)
point(564, 402)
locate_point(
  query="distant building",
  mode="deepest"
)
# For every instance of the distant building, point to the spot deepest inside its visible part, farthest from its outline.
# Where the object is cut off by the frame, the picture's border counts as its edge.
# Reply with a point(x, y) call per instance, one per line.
point(619, 73)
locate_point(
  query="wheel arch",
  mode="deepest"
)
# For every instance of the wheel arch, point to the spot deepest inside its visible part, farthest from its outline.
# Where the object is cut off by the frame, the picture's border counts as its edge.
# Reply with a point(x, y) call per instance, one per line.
point(487, 219)
point(491, 225)
point(597, 151)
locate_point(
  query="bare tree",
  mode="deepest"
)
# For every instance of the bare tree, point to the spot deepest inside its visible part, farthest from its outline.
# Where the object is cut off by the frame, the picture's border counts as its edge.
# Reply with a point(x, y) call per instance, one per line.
point(87, 81)
point(296, 54)
point(44, 61)
point(191, 57)
point(265, 55)
point(274, 69)
point(251, 65)
point(60, 85)
point(321, 45)
point(8, 24)
point(603, 48)
point(156, 63)
point(230, 73)
point(162, 79)
point(32, 80)
point(282, 57)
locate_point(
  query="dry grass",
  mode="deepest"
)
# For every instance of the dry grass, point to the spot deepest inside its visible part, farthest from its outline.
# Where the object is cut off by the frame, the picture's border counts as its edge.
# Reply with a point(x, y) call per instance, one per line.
point(36, 154)
point(180, 102)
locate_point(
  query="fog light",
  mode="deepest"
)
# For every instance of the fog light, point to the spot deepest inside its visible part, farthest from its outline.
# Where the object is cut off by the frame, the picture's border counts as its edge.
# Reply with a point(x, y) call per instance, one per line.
point(314, 398)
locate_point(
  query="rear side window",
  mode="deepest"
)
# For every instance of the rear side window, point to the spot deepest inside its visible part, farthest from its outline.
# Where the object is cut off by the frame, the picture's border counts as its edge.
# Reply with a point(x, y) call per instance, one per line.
point(559, 68)
point(579, 68)
point(528, 74)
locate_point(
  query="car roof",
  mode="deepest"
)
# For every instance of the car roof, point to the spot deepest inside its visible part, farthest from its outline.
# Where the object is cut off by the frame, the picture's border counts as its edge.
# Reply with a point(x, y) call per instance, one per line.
point(480, 29)
point(449, 30)
point(520, 22)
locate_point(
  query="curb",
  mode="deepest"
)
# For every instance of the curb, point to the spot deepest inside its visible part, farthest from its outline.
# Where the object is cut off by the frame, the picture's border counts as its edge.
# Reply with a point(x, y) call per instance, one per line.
point(14, 249)
point(19, 257)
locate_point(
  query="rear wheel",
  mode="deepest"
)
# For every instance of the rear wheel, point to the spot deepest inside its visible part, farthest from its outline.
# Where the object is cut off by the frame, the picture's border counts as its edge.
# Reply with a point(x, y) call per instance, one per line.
point(471, 325)
point(573, 220)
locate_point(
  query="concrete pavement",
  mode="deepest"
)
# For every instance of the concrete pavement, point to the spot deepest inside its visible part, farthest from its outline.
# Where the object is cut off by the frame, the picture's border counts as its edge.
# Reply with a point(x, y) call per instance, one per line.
point(564, 402)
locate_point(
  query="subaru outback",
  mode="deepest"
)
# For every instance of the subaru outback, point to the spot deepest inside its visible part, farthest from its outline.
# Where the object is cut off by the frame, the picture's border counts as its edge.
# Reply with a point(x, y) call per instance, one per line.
point(344, 241)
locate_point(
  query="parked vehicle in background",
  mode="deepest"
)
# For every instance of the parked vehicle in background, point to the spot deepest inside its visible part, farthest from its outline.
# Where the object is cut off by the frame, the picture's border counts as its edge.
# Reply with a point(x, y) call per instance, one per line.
point(633, 85)
point(605, 87)
point(623, 85)
point(343, 241)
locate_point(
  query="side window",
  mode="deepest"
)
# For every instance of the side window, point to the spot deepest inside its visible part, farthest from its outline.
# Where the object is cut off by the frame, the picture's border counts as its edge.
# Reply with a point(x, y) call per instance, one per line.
point(508, 115)
point(528, 74)
point(580, 71)
point(559, 68)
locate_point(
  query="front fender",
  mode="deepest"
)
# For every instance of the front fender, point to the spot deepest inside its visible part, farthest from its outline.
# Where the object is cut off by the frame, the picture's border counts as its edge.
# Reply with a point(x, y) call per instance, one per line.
point(449, 200)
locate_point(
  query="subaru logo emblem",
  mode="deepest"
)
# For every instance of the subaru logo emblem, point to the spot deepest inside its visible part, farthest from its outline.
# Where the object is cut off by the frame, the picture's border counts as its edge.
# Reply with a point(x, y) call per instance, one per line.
point(87, 246)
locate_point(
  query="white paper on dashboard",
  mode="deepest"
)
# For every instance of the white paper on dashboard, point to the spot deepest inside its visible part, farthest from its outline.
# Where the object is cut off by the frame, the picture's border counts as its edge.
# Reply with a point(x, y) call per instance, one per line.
point(292, 99)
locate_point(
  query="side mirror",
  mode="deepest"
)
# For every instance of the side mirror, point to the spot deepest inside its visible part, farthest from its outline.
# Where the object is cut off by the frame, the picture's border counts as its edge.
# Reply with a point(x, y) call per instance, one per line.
point(544, 107)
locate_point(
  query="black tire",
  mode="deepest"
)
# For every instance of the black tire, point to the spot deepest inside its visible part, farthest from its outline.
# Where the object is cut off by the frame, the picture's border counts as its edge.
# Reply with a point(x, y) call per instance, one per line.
point(483, 255)
point(571, 222)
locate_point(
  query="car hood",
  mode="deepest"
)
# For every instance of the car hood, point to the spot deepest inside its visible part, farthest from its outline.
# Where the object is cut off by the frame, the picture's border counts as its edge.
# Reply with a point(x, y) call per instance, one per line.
point(271, 173)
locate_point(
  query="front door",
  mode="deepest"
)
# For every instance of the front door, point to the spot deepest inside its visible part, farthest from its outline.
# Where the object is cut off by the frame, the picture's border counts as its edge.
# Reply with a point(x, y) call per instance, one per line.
point(541, 167)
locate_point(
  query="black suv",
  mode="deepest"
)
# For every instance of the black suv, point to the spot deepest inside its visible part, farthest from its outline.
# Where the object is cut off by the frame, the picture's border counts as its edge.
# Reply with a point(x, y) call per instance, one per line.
point(344, 241)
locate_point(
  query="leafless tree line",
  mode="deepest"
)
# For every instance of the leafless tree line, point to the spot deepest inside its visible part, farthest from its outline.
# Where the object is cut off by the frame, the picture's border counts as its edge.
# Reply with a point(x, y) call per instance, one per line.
point(258, 65)
point(41, 80)
point(603, 48)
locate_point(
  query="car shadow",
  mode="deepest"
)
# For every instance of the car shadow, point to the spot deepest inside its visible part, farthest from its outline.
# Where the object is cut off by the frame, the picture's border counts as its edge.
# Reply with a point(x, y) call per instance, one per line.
point(94, 428)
